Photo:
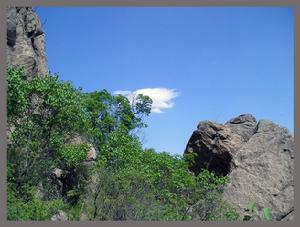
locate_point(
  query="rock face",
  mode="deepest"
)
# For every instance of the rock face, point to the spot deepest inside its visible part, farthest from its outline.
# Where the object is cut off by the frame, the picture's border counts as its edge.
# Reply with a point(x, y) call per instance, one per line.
point(26, 41)
point(258, 157)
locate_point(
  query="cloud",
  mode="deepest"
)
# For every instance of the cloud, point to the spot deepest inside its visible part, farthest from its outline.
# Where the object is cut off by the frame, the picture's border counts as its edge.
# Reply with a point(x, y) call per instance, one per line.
point(161, 97)
point(120, 92)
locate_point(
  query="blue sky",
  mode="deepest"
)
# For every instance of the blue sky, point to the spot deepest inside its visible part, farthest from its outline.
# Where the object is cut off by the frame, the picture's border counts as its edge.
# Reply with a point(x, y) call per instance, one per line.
point(200, 63)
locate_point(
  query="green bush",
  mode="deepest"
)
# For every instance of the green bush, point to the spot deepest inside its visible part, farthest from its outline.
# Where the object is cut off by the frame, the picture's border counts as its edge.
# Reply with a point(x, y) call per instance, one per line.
point(32, 207)
point(130, 183)
point(266, 212)
point(73, 154)
point(43, 113)
point(126, 182)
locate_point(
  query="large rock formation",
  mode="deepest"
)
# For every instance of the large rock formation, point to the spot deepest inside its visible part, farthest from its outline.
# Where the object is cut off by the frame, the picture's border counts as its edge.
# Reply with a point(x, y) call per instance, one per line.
point(257, 157)
point(26, 41)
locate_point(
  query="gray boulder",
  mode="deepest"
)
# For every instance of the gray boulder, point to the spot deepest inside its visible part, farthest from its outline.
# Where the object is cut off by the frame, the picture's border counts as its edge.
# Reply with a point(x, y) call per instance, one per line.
point(61, 216)
point(26, 42)
point(257, 157)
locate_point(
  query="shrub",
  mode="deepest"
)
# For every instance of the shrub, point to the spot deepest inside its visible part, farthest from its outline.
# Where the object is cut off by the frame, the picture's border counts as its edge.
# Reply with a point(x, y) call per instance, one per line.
point(31, 207)
point(130, 183)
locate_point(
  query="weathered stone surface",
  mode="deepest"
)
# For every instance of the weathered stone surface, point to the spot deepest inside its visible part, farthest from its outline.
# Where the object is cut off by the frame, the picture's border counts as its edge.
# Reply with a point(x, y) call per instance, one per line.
point(257, 157)
point(289, 217)
point(214, 144)
point(26, 42)
point(243, 125)
point(83, 217)
point(58, 172)
point(61, 216)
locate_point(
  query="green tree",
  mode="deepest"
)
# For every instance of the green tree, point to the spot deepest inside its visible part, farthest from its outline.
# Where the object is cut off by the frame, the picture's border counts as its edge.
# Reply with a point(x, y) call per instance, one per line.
point(109, 113)
point(43, 115)
point(130, 183)
point(126, 182)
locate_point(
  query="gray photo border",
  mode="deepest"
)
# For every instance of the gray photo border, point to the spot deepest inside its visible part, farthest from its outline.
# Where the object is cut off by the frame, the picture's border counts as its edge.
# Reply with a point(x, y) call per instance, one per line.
point(5, 3)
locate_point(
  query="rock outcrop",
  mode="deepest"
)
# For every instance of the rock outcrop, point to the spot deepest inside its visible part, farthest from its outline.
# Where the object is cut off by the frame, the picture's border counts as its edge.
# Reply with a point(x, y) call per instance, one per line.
point(61, 216)
point(258, 157)
point(26, 42)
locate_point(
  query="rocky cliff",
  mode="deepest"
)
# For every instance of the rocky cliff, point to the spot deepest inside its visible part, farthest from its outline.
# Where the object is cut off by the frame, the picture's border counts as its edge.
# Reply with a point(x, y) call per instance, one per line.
point(26, 41)
point(258, 157)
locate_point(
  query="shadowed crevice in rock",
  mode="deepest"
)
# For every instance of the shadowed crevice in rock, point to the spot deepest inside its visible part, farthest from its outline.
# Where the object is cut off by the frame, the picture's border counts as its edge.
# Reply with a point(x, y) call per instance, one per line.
point(219, 163)
point(288, 217)
point(215, 144)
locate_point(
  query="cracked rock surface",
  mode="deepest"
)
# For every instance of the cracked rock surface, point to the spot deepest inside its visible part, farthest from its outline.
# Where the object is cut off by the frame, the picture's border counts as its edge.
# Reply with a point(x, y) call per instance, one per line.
point(26, 42)
point(258, 157)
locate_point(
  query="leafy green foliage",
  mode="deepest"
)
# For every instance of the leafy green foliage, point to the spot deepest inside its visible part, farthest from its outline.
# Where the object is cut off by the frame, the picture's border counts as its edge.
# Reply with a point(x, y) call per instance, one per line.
point(17, 101)
point(251, 206)
point(130, 183)
point(266, 212)
point(74, 212)
point(73, 154)
point(52, 112)
point(109, 113)
point(32, 208)
point(43, 114)
point(141, 107)
point(126, 182)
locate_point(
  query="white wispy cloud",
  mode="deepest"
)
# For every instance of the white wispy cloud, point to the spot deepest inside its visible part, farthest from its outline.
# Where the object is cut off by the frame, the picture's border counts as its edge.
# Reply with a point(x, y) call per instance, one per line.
point(161, 97)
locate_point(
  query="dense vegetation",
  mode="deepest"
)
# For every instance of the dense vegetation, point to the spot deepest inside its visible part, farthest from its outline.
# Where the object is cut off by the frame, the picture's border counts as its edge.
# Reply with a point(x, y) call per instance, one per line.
point(125, 182)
